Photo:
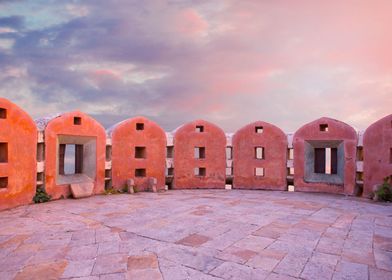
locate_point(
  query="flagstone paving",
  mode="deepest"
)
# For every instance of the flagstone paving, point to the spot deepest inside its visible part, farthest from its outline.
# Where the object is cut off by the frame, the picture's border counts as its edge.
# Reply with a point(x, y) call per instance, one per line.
point(199, 234)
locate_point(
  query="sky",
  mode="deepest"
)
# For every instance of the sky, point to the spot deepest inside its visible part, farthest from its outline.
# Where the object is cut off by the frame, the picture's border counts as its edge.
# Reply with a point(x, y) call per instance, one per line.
point(230, 62)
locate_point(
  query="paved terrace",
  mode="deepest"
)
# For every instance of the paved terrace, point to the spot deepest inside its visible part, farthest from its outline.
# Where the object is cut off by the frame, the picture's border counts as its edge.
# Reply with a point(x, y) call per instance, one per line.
point(199, 234)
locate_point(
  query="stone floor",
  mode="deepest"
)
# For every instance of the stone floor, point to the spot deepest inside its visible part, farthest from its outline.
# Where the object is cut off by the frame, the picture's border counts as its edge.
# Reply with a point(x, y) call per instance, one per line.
point(200, 234)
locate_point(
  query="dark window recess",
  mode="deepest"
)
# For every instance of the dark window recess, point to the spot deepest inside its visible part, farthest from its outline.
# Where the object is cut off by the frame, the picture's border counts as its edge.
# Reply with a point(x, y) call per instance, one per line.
point(334, 161)
point(199, 128)
point(141, 172)
point(200, 152)
point(360, 154)
point(259, 129)
point(200, 171)
point(40, 152)
point(77, 120)
point(3, 152)
point(108, 153)
point(169, 151)
point(3, 182)
point(108, 173)
point(320, 161)
point(170, 171)
point(140, 152)
point(139, 126)
point(3, 113)
point(324, 127)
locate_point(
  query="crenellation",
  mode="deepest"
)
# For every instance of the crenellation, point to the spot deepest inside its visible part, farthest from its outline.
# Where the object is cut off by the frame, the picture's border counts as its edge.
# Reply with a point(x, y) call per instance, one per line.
point(325, 155)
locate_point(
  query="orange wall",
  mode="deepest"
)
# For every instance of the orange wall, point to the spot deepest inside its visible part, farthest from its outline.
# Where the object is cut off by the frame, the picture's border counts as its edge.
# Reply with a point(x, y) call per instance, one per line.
point(125, 138)
point(20, 132)
point(64, 125)
point(377, 145)
point(337, 130)
point(274, 142)
point(185, 140)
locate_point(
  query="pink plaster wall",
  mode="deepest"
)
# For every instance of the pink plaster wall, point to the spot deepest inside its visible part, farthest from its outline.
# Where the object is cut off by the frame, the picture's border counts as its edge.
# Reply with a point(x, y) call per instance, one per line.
point(125, 138)
point(377, 145)
point(274, 142)
point(214, 140)
point(20, 132)
point(64, 125)
point(337, 130)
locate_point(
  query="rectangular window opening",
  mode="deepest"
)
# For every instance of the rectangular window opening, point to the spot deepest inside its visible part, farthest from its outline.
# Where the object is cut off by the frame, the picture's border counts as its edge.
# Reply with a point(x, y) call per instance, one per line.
point(139, 126)
point(108, 174)
point(170, 171)
point(200, 152)
point(259, 152)
point(40, 178)
point(326, 160)
point(169, 151)
point(3, 113)
point(259, 129)
point(199, 128)
point(108, 154)
point(77, 120)
point(229, 171)
point(3, 182)
point(359, 153)
point(290, 171)
point(324, 127)
point(290, 154)
point(140, 152)
point(140, 172)
point(70, 159)
point(200, 171)
point(40, 152)
point(259, 172)
point(229, 152)
point(3, 152)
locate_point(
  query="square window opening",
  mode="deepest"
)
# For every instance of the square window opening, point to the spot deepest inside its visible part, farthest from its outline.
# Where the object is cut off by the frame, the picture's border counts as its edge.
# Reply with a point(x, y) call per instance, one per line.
point(140, 152)
point(3, 113)
point(199, 128)
point(139, 126)
point(77, 120)
point(324, 127)
point(169, 151)
point(170, 171)
point(290, 171)
point(140, 172)
point(200, 171)
point(259, 152)
point(259, 172)
point(3, 152)
point(259, 129)
point(200, 152)
point(3, 182)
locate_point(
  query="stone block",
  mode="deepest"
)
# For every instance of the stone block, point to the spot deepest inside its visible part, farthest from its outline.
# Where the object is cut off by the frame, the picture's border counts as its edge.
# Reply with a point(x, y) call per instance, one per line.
point(80, 190)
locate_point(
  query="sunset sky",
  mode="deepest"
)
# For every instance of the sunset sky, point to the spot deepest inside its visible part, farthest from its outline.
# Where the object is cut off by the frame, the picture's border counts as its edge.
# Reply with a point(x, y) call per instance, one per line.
point(229, 62)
